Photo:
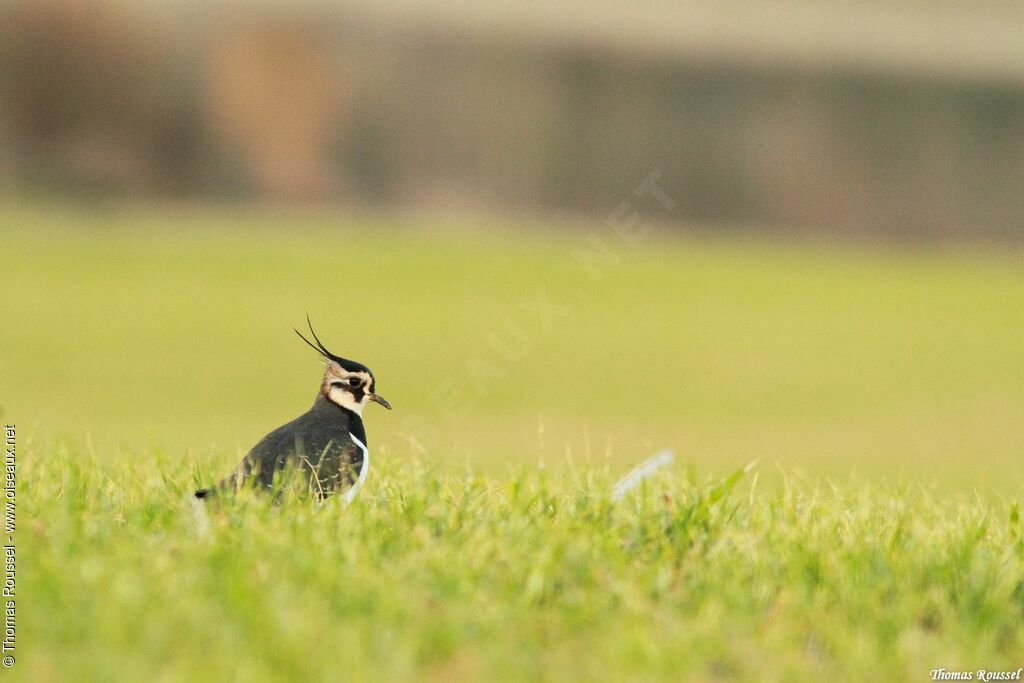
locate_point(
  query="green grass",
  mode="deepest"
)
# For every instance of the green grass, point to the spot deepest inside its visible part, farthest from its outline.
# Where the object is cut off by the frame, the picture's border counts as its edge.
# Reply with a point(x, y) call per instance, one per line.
point(144, 351)
point(523, 577)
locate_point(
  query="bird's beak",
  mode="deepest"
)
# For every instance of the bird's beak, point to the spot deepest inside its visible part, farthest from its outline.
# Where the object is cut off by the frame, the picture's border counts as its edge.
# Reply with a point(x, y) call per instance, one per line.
point(381, 400)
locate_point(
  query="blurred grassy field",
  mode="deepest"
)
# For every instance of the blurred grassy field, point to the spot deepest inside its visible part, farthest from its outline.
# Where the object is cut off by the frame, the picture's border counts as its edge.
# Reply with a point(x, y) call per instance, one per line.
point(170, 330)
point(144, 351)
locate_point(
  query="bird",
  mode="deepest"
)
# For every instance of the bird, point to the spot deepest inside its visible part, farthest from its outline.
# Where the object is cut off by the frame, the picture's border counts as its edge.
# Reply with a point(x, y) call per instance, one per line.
point(325, 446)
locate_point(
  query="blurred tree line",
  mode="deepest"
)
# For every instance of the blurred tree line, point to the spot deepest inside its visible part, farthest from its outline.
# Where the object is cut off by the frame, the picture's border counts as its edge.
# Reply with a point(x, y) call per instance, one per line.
point(102, 98)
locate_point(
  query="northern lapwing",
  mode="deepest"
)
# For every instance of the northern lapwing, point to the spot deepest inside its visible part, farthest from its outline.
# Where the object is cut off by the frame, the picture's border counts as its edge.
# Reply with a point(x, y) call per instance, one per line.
point(326, 446)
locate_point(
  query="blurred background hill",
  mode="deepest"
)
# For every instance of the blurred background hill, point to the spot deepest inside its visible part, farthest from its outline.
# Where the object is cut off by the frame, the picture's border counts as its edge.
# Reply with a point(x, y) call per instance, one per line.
point(897, 120)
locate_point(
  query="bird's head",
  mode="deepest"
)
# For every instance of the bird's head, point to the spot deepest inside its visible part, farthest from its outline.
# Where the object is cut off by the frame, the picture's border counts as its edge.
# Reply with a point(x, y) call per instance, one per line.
point(347, 383)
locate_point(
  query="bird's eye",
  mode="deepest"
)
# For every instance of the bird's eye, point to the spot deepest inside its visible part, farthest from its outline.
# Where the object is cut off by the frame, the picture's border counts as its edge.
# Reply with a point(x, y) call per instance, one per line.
point(353, 381)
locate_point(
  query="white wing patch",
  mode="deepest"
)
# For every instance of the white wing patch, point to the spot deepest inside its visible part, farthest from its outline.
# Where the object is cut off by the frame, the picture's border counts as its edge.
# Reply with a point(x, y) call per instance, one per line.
point(351, 493)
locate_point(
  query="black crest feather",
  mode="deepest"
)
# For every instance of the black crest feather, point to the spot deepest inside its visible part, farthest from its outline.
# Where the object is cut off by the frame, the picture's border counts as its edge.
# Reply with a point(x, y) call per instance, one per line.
point(348, 365)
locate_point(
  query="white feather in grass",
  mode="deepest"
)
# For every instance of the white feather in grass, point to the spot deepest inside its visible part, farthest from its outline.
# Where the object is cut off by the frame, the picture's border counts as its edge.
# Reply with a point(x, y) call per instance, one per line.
point(644, 470)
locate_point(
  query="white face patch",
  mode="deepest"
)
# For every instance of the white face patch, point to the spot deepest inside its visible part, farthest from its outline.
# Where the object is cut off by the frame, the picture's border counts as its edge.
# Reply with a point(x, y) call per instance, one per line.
point(346, 400)
point(342, 395)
